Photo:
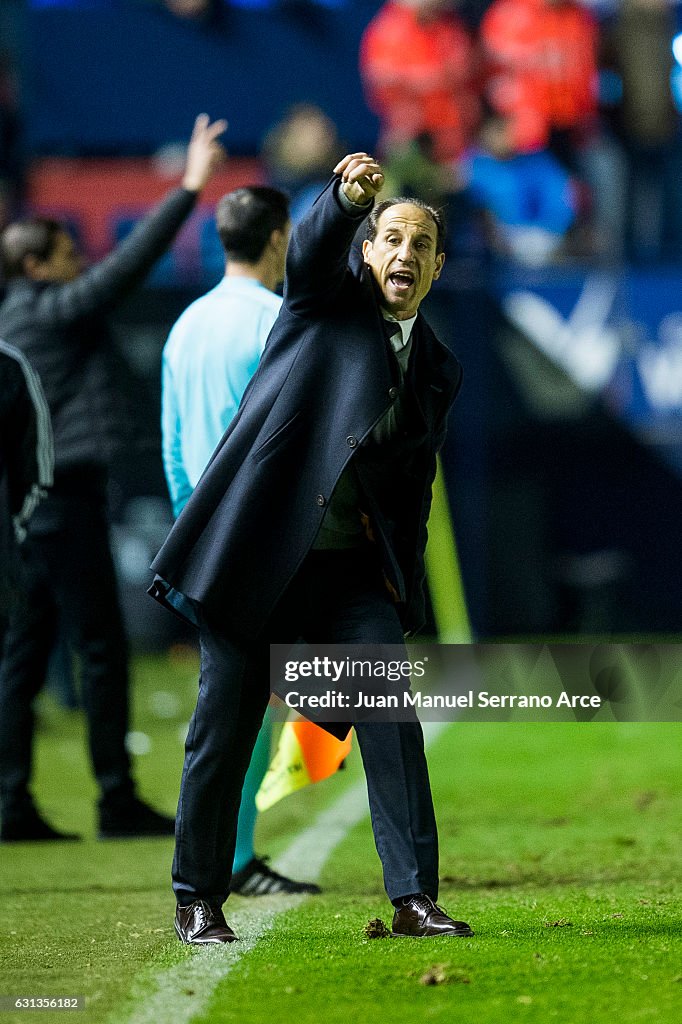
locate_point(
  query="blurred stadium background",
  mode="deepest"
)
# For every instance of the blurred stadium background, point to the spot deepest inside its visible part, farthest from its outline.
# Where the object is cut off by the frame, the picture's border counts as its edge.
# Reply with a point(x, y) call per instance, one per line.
point(562, 296)
point(564, 459)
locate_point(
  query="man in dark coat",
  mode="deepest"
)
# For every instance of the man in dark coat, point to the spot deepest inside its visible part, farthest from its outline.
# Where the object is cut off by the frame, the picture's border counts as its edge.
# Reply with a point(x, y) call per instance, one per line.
point(334, 443)
point(54, 312)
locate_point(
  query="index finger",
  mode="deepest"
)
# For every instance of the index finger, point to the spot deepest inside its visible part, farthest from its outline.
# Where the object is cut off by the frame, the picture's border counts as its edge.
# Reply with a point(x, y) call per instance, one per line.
point(203, 127)
point(200, 122)
point(357, 169)
point(343, 164)
point(216, 129)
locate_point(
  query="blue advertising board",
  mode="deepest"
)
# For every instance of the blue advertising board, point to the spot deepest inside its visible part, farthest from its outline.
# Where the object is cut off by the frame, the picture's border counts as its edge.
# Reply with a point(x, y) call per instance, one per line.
point(618, 336)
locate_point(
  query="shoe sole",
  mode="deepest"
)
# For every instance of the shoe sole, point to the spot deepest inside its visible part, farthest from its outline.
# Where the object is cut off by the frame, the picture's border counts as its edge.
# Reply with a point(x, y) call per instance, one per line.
point(207, 942)
point(436, 935)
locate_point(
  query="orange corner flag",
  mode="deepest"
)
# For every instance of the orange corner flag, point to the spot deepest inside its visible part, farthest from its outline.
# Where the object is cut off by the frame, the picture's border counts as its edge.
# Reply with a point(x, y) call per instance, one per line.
point(305, 753)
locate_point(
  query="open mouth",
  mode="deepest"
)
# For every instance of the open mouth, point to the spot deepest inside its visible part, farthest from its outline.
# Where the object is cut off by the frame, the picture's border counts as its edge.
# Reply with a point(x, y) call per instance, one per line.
point(401, 280)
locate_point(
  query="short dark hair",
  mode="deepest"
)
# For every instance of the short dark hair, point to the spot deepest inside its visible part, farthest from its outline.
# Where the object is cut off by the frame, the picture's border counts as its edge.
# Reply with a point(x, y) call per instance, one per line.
point(246, 218)
point(436, 215)
point(35, 236)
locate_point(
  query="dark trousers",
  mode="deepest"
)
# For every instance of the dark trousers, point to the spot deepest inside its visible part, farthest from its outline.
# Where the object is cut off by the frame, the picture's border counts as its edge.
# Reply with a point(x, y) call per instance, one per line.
point(68, 578)
point(336, 597)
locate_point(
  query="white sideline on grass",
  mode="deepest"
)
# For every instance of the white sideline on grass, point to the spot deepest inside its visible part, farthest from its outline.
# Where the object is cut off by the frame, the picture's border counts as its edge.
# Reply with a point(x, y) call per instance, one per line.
point(184, 990)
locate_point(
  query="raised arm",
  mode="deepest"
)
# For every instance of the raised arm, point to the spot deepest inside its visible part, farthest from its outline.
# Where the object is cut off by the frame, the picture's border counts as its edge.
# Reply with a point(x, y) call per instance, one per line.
point(317, 258)
point(106, 283)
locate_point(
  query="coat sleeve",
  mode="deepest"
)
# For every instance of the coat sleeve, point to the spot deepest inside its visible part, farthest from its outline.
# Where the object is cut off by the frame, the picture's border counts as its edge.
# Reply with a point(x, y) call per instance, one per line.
point(317, 258)
point(107, 282)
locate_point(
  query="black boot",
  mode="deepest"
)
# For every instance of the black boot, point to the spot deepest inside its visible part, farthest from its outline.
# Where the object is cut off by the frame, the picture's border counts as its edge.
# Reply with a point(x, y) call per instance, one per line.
point(31, 828)
point(130, 818)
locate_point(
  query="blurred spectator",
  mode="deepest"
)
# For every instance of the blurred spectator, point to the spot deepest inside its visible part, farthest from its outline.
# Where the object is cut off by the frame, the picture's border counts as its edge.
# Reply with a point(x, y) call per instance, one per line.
point(202, 11)
point(542, 68)
point(411, 171)
point(528, 196)
point(542, 75)
point(299, 152)
point(206, 13)
point(638, 47)
point(418, 67)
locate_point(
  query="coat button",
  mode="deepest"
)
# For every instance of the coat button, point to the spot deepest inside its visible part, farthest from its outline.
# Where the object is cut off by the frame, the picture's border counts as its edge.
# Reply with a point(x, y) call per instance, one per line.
point(321, 500)
point(351, 441)
point(393, 394)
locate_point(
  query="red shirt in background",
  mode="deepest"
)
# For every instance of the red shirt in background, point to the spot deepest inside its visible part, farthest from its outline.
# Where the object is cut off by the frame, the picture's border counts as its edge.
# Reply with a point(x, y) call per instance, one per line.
point(419, 76)
point(541, 58)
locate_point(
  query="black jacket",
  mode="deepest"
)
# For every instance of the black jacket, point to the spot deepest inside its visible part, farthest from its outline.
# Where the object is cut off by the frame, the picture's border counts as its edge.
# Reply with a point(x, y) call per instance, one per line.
point(325, 379)
point(26, 459)
point(63, 332)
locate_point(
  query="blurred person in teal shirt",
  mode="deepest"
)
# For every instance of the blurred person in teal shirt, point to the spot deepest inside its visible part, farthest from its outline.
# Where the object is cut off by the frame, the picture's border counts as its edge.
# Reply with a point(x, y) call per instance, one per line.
point(214, 348)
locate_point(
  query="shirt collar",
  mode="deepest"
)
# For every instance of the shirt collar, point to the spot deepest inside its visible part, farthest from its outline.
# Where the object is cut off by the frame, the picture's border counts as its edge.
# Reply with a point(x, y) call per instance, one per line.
point(400, 340)
point(237, 283)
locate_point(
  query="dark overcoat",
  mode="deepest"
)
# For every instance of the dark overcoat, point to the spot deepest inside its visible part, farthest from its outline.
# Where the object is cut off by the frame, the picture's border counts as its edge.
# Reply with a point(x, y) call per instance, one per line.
point(326, 377)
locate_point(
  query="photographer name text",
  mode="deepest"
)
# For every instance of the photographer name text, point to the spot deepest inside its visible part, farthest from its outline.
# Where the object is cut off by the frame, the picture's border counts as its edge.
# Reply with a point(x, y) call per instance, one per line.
point(471, 699)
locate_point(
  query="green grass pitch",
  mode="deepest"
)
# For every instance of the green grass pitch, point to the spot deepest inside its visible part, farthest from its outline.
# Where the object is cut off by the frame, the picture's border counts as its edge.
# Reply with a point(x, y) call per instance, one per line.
point(560, 844)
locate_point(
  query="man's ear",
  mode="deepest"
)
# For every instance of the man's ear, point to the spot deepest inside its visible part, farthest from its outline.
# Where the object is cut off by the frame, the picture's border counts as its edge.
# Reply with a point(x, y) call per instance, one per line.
point(440, 260)
point(366, 249)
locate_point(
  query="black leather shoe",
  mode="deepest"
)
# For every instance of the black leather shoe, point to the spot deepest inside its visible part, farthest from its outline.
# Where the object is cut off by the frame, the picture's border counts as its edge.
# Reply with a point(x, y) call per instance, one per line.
point(420, 916)
point(132, 819)
point(201, 924)
point(31, 828)
point(259, 879)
